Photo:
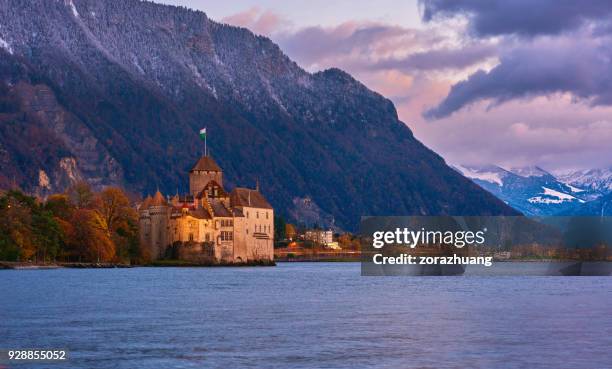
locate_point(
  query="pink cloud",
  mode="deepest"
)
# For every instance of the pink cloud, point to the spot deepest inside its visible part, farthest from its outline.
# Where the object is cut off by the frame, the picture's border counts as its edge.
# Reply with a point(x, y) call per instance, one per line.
point(263, 22)
point(416, 69)
point(551, 132)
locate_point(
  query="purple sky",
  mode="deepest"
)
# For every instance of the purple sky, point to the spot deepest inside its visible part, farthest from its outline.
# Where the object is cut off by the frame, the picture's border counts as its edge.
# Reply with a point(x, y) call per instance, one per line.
point(507, 82)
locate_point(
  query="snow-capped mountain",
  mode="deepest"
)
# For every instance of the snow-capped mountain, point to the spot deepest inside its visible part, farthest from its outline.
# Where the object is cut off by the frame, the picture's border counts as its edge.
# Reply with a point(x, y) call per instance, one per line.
point(601, 206)
point(531, 190)
point(531, 171)
point(597, 180)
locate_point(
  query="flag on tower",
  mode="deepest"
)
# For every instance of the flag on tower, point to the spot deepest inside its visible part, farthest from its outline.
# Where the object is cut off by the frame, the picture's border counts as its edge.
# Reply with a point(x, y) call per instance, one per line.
point(203, 133)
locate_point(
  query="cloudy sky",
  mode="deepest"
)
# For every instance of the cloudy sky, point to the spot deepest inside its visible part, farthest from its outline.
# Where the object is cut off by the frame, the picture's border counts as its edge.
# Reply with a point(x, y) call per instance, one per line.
point(514, 83)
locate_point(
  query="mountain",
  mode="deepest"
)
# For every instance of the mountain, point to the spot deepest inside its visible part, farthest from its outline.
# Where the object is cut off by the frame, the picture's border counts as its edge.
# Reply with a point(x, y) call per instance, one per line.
point(597, 180)
point(115, 92)
point(599, 207)
point(531, 190)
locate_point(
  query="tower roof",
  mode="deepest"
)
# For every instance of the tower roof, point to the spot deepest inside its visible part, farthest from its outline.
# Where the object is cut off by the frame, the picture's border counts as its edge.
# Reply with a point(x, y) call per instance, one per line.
point(158, 199)
point(206, 163)
point(146, 203)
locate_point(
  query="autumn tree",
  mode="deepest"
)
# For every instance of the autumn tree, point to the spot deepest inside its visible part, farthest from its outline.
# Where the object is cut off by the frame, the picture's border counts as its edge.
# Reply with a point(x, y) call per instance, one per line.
point(15, 227)
point(27, 230)
point(290, 231)
point(119, 220)
point(81, 195)
point(86, 239)
point(60, 206)
point(114, 210)
point(348, 242)
point(80, 225)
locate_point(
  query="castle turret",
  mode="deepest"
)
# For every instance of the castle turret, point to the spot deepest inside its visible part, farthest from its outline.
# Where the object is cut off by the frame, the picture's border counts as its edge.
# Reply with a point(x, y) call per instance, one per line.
point(204, 171)
point(159, 212)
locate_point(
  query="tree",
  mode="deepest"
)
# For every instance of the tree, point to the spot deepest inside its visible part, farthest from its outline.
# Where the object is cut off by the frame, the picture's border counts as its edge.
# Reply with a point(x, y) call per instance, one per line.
point(28, 231)
point(46, 234)
point(279, 228)
point(81, 195)
point(79, 225)
point(113, 207)
point(119, 220)
point(60, 206)
point(348, 242)
point(16, 226)
point(86, 239)
point(290, 231)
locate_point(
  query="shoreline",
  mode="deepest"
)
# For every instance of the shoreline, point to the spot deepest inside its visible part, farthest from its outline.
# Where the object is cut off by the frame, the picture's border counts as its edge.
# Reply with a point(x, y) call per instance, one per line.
point(11, 265)
point(36, 266)
point(14, 265)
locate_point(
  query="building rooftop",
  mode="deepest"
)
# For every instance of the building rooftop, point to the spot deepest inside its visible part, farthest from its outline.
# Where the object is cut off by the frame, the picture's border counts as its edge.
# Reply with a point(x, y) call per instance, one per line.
point(248, 197)
point(206, 163)
point(219, 208)
point(158, 199)
point(200, 214)
point(146, 203)
point(212, 189)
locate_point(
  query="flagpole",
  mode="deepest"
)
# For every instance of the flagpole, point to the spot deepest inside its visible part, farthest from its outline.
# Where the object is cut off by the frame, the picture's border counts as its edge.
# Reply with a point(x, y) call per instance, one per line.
point(203, 136)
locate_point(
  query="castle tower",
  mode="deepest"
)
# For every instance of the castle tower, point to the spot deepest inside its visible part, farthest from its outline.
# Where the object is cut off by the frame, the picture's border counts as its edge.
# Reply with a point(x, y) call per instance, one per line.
point(204, 171)
point(160, 215)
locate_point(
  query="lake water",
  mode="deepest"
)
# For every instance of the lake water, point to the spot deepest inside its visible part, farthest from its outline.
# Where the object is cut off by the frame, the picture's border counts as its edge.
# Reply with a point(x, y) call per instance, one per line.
point(305, 315)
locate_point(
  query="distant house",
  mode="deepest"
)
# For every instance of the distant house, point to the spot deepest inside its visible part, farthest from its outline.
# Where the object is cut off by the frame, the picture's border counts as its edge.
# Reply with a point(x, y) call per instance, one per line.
point(319, 236)
point(502, 255)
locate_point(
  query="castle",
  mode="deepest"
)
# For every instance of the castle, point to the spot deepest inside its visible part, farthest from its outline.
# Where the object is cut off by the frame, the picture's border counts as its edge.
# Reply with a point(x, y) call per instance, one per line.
point(208, 225)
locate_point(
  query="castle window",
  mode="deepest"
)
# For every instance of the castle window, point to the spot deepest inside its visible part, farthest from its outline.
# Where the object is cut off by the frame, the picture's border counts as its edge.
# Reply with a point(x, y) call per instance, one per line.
point(190, 237)
point(207, 237)
point(257, 215)
point(267, 215)
point(226, 236)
